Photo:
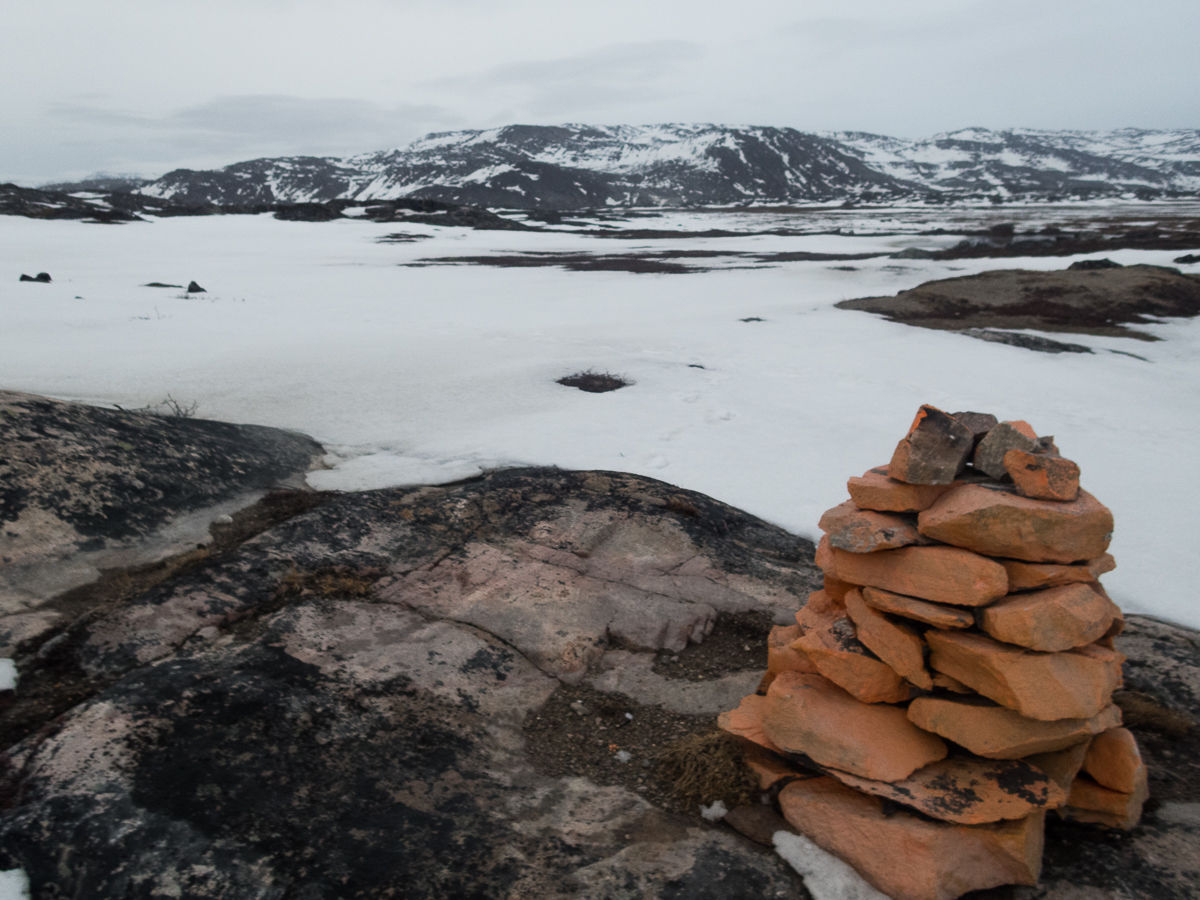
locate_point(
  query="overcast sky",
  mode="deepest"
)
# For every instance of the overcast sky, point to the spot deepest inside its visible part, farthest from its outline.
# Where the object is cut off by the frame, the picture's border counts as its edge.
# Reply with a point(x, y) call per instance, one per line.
point(145, 86)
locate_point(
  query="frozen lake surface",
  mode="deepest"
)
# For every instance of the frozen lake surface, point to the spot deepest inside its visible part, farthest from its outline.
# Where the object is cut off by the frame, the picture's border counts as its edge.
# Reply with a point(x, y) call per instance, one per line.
point(423, 374)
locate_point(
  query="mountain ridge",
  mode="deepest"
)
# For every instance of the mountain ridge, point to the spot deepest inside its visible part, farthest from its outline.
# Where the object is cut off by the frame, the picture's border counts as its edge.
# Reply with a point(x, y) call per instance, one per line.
point(679, 165)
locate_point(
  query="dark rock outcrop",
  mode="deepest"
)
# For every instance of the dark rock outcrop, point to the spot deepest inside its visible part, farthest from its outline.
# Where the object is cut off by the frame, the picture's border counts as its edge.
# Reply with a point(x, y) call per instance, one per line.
point(84, 489)
point(1102, 302)
point(40, 204)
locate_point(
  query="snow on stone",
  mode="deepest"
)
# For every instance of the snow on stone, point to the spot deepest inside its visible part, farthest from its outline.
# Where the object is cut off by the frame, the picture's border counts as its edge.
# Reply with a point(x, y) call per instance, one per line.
point(8, 675)
point(714, 812)
point(825, 876)
point(14, 885)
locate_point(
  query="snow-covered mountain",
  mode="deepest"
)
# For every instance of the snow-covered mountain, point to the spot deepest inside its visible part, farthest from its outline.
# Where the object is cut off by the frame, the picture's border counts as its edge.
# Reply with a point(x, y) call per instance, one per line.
point(583, 166)
point(1038, 164)
point(566, 167)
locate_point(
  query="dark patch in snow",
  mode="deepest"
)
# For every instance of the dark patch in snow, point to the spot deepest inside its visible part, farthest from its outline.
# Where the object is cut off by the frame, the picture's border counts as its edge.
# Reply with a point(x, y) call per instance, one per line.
point(595, 382)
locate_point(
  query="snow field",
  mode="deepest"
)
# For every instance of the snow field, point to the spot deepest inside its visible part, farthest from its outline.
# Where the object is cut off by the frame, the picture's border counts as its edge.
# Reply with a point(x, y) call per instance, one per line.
point(424, 375)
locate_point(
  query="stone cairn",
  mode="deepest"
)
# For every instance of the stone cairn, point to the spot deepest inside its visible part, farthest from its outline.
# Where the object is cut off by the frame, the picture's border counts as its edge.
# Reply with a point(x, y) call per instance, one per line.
point(953, 680)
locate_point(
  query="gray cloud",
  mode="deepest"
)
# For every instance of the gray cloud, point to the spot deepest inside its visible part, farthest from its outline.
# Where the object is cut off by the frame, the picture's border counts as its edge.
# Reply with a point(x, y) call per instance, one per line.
point(620, 75)
point(230, 128)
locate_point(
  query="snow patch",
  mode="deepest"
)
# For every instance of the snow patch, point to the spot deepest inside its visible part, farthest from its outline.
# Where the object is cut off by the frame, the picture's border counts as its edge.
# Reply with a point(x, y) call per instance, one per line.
point(14, 885)
point(825, 876)
point(8, 675)
point(714, 812)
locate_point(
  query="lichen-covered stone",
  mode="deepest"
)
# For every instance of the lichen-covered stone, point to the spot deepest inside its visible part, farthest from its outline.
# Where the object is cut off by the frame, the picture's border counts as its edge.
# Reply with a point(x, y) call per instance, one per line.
point(896, 644)
point(1074, 684)
point(934, 451)
point(810, 715)
point(1001, 733)
point(875, 489)
point(1024, 576)
point(908, 858)
point(941, 574)
point(1006, 436)
point(935, 614)
point(968, 790)
point(1056, 618)
point(865, 531)
point(997, 522)
point(1042, 476)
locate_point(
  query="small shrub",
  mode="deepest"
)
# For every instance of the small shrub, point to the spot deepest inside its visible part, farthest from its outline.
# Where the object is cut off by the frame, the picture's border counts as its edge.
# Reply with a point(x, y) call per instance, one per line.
point(330, 581)
point(595, 382)
point(170, 407)
point(704, 768)
point(682, 506)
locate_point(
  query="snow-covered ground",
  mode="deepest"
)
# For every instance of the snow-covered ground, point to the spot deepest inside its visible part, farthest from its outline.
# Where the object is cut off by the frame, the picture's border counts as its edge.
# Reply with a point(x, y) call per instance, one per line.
point(428, 374)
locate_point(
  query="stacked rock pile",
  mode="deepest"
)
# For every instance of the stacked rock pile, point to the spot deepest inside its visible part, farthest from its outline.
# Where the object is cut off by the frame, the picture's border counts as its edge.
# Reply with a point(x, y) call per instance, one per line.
point(953, 680)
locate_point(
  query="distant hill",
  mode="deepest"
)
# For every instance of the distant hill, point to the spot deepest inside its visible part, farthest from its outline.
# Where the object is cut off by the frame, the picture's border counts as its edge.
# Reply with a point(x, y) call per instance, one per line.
point(100, 184)
point(583, 166)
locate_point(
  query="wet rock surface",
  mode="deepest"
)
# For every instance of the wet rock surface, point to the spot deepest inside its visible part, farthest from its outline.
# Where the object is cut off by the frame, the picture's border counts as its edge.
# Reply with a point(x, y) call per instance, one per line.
point(84, 489)
point(411, 692)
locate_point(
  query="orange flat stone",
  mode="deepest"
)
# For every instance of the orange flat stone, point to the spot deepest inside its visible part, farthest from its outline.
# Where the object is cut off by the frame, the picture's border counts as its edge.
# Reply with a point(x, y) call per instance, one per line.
point(997, 732)
point(1114, 761)
point(935, 449)
point(1093, 803)
point(781, 656)
point(896, 644)
point(1073, 684)
point(1056, 618)
point(812, 716)
point(824, 557)
point(819, 611)
point(995, 522)
point(968, 790)
point(875, 490)
point(944, 681)
point(836, 588)
point(1061, 766)
point(865, 531)
point(1023, 576)
point(1042, 476)
point(768, 767)
point(747, 721)
point(838, 655)
point(920, 610)
point(941, 574)
point(912, 858)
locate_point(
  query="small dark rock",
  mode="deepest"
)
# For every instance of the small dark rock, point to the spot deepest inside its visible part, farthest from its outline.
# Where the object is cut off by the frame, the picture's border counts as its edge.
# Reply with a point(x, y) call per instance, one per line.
point(914, 253)
point(194, 288)
point(752, 319)
point(1088, 265)
point(1187, 260)
point(307, 212)
point(42, 277)
point(1027, 341)
point(160, 284)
